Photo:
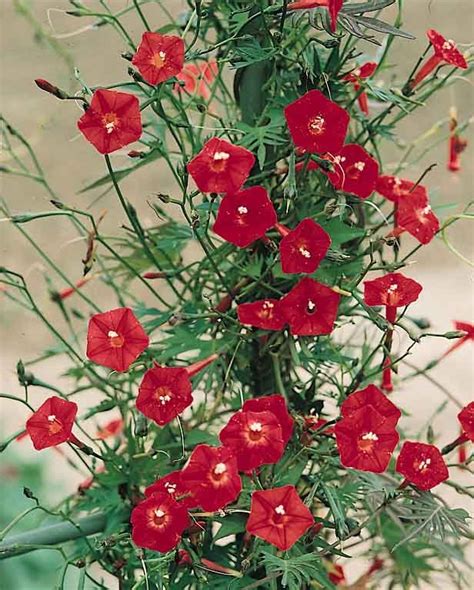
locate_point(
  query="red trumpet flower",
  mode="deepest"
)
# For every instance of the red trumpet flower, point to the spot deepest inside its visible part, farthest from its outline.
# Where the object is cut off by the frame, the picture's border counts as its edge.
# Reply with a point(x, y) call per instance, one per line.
point(415, 216)
point(52, 423)
point(393, 290)
point(159, 57)
point(245, 216)
point(264, 314)
point(112, 428)
point(355, 78)
point(302, 248)
point(462, 327)
point(115, 339)
point(255, 437)
point(316, 124)
point(371, 396)
point(198, 78)
point(457, 144)
point(444, 51)
point(354, 171)
point(211, 473)
point(422, 465)
point(310, 308)
point(165, 392)
point(221, 167)
point(68, 291)
point(112, 121)
point(173, 485)
point(279, 517)
point(158, 522)
point(333, 6)
point(466, 418)
point(275, 404)
point(366, 440)
point(393, 188)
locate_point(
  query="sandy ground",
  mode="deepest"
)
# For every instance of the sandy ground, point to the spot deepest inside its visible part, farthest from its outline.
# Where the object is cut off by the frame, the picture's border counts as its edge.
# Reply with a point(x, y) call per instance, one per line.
point(70, 162)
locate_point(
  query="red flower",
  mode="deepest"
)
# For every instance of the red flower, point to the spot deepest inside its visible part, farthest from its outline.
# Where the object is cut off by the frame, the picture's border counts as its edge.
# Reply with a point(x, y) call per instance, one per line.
point(466, 418)
point(444, 51)
point(310, 308)
point(415, 216)
point(173, 485)
point(264, 314)
point(115, 339)
point(68, 291)
point(366, 440)
point(317, 124)
point(354, 171)
point(333, 6)
point(391, 290)
point(211, 473)
point(373, 397)
point(457, 144)
point(159, 57)
point(52, 423)
point(198, 78)
point(303, 248)
point(463, 327)
point(275, 404)
point(255, 437)
point(313, 422)
point(165, 392)
point(245, 216)
point(158, 522)
point(393, 187)
point(112, 121)
point(112, 428)
point(279, 517)
point(355, 78)
point(422, 465)
point(336, 574)
point(221, 167)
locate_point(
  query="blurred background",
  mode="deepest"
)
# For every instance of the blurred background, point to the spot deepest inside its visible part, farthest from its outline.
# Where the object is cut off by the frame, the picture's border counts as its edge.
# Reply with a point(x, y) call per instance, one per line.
point(39, 40)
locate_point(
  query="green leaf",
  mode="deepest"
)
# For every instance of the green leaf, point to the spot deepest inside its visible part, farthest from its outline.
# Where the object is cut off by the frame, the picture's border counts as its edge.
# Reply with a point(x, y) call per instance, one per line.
point(230, 525)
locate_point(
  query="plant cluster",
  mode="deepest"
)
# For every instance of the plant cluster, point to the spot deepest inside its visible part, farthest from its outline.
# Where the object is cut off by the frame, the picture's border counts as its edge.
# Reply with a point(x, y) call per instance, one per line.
point(252, 441)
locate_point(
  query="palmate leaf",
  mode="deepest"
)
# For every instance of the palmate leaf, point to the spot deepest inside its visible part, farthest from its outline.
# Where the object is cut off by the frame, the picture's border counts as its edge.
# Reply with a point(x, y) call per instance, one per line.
point(249, 51)
point(297, 571)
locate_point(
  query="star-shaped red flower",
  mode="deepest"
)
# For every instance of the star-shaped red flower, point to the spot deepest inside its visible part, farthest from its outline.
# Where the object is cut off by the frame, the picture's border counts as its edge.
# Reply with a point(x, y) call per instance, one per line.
point(422, 465)
point(264, 314)
point(255, 437)
point(393, 188)
point(317, 124)
point(159, 57)
point(392, 290)
point(371, 396)
point(158, 522)
point(279, 517)
point(52, 423)
point(366, 440)
point(310, 308)
point(198, 78)
point(354, 171)
point(416, 216)
point(275, 404)
point(303, 248)
point(466, 418)
point(212, 476)
point(245, 216)
point(174, 486)
point(164, 393)
point(112, 120)
point(444, 51)
point(115, 339)
point(221, 167)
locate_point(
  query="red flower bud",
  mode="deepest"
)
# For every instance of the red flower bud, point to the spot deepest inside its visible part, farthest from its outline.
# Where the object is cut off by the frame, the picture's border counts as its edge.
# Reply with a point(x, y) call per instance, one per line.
point(50, 88)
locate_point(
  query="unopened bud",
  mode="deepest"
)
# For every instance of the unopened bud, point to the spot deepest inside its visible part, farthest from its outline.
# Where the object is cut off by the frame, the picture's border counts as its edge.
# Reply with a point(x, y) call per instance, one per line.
point(136, 154)
point(50, 88)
